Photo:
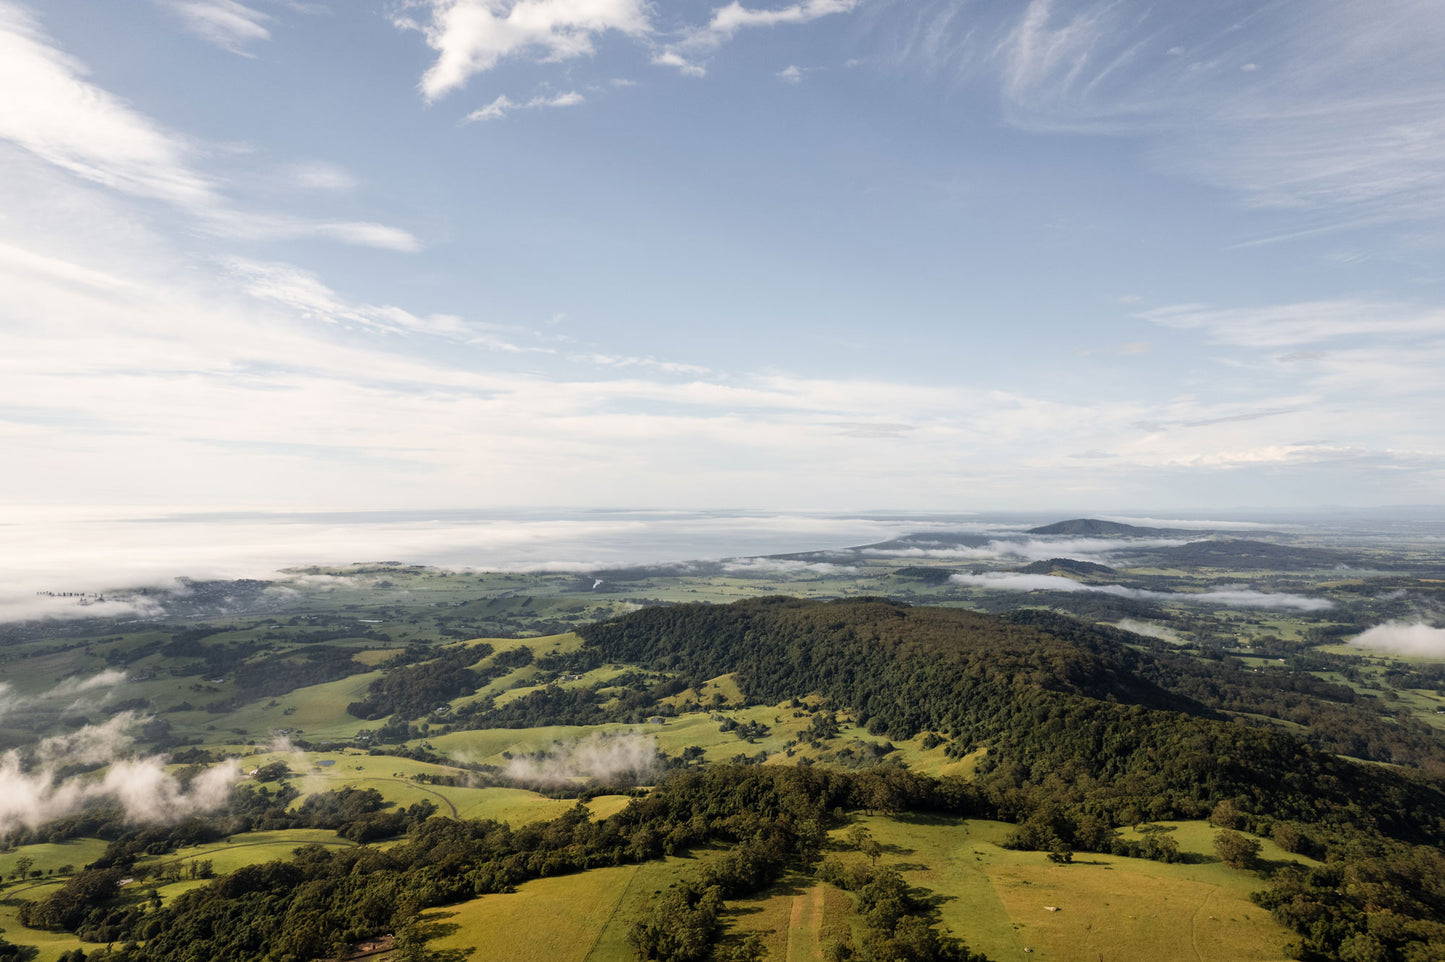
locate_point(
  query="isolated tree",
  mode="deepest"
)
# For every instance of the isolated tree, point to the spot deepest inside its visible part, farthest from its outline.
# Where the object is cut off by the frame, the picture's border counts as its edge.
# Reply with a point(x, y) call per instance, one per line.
point(1236, 850)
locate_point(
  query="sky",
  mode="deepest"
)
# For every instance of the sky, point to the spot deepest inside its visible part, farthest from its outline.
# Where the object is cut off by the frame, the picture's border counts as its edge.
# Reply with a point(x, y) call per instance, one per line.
point(274, 255)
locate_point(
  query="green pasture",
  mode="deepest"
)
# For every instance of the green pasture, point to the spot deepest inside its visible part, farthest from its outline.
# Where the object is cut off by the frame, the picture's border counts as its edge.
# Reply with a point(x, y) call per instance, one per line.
point(1197, 838)
point(316, 713)
point(570, 918)
point(1002, 902)
point(396, 779)
point(795, 920)
point(49, 944)
point(486, 745)
point(50, 857)
point(250, 848)
point(672, 736)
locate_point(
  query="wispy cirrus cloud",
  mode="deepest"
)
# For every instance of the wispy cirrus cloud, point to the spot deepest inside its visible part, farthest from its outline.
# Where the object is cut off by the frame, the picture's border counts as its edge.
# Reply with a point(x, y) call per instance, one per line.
point(504, 105)
point(1312, 322)
point(228, 24)
point(1333, 110)
point(619, 361)
point(726, 21)
point(56, 114)
point(321, 175)
point(304, 293)
point(59, 116)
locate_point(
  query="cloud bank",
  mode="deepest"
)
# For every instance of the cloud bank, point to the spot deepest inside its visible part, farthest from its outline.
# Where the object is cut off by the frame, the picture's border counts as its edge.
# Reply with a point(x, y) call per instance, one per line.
point(140, 785)
point(599, 756)
point(1404, 638)
point(95, 688)
point(1030, 549)
point(1231, 597)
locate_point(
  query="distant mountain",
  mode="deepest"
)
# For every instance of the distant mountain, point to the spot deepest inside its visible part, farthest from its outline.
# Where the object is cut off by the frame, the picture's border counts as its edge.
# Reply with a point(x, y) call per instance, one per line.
point(1094, 528)
point(1066, 566)
point(932, 540)
point(932, 576)
point(1241, 554)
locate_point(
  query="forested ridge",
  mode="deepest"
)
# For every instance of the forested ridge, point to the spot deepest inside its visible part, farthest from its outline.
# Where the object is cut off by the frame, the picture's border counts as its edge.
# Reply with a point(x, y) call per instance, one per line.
point(1085, 734)
point(1065, 704)
point(1077, 730)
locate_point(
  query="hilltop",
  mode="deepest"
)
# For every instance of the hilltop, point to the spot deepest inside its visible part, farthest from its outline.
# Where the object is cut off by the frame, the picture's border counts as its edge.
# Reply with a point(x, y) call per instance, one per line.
point(1067, 567)
point(1242, 554)
point(1094, 528)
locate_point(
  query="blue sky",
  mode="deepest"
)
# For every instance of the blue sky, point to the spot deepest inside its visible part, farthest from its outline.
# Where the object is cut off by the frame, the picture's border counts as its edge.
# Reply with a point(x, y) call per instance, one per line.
point(833, 254)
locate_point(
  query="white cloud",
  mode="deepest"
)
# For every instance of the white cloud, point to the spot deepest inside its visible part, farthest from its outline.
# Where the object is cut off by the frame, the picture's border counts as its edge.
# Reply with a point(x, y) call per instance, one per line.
point(322, 176)
point(242, 380)
point(1311, 322)
point(52, 111)
point(142, 786)
point(792, 74)
point(1229, 597)
point(226, 23)
point(256, 226)
point(1416, 639)
point(503, 105)
point(304, 293)
point(1032, 549)
point(1334, 110)
point(726, 21)
point(615, 361)
point(57, 115)
point(65, 689)
point(473, 36)
point(600, 756)
point(786, 567)
point(495, 110)
point(671, 58)
point(729, 19)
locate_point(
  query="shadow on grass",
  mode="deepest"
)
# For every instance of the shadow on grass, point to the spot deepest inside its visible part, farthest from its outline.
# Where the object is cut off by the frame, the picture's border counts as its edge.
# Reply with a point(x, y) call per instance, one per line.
point(909, 866)
point(432, 926)
point(925, 818)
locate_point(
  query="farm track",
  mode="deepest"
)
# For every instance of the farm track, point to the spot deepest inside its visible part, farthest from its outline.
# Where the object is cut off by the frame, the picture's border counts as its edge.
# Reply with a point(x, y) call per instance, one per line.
point(229, 848)
point(806, 921)
point(422, 788)
point(1194, 923)
point(602, 930)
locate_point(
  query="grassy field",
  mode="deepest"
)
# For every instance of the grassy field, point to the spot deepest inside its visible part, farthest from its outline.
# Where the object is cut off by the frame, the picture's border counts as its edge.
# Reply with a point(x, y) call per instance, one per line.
point(396, 779)
point(317, 713)
point(49, 944)
point(49, 857)
point(1008, 905)
point(572, 918)
point(1003, 902)
point(796, 921)
point(252, 847)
